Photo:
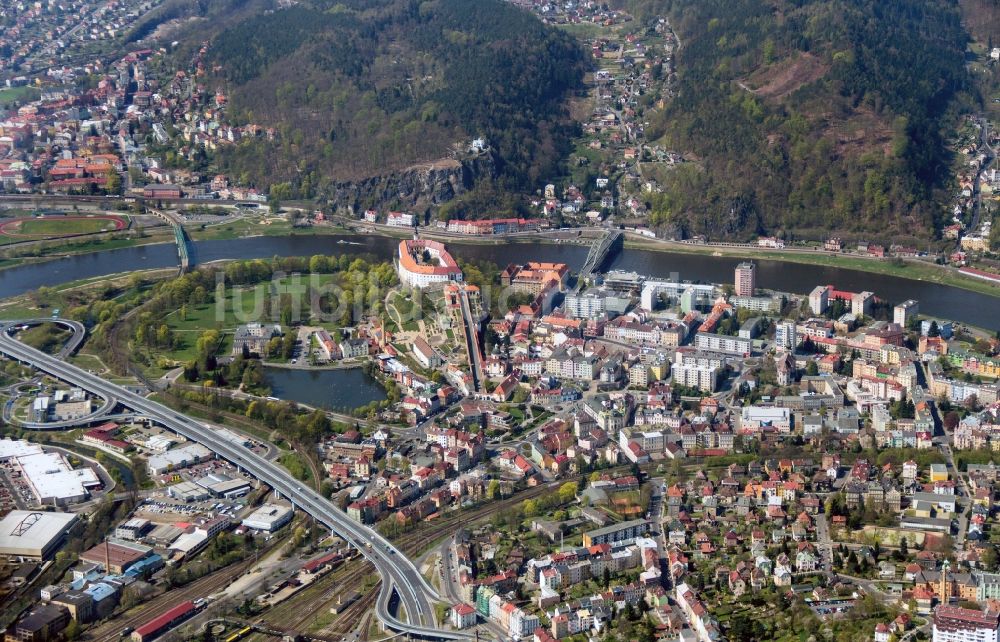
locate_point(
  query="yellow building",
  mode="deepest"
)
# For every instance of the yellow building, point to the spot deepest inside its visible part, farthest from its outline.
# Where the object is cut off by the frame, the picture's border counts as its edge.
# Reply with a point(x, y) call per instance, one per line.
point(939, 472)
point(660, 370)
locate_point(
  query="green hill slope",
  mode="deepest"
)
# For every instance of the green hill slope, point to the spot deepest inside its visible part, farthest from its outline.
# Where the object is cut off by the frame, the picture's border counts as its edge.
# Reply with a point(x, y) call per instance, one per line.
point(811, 116)
point(365, 87)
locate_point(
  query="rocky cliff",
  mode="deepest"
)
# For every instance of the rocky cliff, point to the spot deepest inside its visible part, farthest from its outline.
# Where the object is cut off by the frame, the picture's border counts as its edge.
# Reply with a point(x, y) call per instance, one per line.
point(414, 189)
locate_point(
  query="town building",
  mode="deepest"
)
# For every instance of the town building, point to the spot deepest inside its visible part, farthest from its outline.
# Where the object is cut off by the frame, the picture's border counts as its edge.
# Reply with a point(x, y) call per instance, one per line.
point(422, 263)
point(621, 533)
point(693, 375)
point(955, 624)
point(252, 338)
point(785, 335)
point(722, 343)
point(746, 278)
point(819, 299)
point(534, 277)
point(905, 312)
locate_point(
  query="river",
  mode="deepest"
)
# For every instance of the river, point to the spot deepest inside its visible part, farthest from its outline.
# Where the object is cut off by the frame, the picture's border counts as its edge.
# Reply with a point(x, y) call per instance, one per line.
point(936, 300)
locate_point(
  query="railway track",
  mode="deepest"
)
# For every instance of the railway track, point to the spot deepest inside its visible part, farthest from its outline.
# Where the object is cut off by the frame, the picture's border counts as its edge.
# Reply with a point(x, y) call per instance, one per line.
point(197, 589)
point(422, 537)
point(354, 616)
point(295, 613)
point(360, 610)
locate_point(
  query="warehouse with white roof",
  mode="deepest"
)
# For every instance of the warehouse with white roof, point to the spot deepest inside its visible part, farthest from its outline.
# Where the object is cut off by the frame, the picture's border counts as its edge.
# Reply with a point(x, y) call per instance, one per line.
point(178, 458)
point(33, 534)
point(54, 481)
point(10, 449)
point(269, 517)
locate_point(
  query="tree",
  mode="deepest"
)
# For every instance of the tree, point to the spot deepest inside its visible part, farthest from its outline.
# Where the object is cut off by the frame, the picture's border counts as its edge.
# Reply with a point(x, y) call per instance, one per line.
point(811, 368)
point(567, 492)
point(72, 630)
point(933, 330)
point(989, 558)
point(113, 181)
point(164, 337)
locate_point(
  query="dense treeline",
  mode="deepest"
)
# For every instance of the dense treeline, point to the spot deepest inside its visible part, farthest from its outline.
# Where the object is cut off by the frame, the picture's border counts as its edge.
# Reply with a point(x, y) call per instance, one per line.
point(811, 115)
point(357, 89)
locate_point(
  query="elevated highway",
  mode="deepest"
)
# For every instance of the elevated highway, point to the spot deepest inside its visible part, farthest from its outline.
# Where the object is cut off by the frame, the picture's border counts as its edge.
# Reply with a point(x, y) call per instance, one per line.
point(400, 578)
point(78, 334)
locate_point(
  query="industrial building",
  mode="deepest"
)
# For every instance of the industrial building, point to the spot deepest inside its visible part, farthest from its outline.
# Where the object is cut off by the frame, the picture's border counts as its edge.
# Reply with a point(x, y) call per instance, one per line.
point(11, 449)
point(116, 556)
point(33, 534)
point(182, 457)
point(53, 480)
point(269, 517)
point(163, 623)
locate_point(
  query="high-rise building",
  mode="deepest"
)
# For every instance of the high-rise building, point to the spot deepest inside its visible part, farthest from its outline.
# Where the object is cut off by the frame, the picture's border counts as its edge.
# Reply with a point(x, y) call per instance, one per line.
point(905, 312)
point(785, 336)
point(861, 303)
point(819, 299)
point(955, 624)
point(746, 279)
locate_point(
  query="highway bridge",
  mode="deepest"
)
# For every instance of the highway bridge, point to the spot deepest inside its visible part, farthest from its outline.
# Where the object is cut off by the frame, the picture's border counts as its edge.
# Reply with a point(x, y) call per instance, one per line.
point(400, 578)
point(607, 245)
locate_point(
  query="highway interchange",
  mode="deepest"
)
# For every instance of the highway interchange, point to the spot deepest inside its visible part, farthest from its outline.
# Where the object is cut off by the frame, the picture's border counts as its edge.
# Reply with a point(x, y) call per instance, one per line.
point(400, 578)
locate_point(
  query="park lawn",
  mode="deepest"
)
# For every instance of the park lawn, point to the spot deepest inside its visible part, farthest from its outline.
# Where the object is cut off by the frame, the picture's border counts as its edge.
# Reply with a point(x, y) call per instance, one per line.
point(293, 462)
point(19, 94)
point(250, 226)
point(87, 361)
point(585, 30)
point(59, 226)
point(237, 308)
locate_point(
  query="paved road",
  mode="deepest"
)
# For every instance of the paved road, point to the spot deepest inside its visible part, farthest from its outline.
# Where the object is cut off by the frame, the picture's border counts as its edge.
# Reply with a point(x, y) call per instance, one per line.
point(450, 586)
point(472, 341)
point(400, 578)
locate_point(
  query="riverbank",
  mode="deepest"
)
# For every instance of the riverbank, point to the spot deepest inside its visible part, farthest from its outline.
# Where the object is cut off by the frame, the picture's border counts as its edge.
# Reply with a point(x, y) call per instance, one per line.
point(903, 268)
point(963, 299)
point(56, 250)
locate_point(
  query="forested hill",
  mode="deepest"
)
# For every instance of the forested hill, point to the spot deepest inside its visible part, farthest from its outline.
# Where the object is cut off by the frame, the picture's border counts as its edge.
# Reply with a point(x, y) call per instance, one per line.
point(361, 87)
point(811, 116)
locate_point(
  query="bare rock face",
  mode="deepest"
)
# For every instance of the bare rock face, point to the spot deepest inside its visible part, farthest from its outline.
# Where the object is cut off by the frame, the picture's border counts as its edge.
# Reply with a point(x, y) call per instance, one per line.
point(414, 189)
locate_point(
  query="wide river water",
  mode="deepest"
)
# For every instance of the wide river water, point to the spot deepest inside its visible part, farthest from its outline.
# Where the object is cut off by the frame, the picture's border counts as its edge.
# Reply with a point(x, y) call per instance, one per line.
point(937, 300)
